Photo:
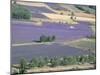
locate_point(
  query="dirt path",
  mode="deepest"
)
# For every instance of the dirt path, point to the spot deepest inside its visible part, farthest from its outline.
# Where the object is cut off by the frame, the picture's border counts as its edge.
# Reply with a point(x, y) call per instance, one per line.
point(62, 68)
point(33, 43)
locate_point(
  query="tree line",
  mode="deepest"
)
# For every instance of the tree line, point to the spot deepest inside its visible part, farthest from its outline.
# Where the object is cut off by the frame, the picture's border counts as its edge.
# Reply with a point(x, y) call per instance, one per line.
point(55, 61)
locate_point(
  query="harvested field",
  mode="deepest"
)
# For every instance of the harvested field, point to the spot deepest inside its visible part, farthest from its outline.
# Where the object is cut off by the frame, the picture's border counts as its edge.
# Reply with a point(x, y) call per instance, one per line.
point(85, 44)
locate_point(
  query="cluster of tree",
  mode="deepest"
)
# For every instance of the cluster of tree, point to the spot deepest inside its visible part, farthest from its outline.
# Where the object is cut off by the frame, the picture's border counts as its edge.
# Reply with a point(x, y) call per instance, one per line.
point(55, 61)
point(44, 38)
point(80, 7)
point(86, 9)
point(19, 12)
point(93, 7)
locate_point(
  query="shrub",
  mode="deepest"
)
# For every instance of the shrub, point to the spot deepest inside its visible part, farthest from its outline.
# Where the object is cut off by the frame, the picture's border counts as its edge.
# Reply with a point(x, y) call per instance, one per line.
point(61, 13)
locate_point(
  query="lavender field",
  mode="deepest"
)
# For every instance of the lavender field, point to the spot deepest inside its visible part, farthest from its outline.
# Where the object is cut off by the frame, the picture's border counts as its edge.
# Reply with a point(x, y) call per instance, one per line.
point(54, 50)
point(22, 32)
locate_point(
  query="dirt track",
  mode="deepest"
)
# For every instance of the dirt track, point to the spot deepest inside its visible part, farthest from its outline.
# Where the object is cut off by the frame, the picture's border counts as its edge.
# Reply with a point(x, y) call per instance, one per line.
point(61, 68)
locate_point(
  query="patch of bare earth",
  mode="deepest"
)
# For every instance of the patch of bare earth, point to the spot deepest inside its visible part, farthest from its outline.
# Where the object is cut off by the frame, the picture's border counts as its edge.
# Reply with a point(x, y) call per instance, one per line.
point(61, 68)
point(85, 15)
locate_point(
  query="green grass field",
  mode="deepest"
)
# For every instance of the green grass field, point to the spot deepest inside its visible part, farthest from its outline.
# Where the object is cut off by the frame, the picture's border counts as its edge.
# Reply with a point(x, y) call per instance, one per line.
point(84, 44)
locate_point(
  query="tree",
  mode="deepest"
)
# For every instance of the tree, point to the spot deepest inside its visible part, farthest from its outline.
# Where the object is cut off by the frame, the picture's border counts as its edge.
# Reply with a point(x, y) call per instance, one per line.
point(47, 61)
point(63, 61)
point(48, 39)
point(72, 15)
point(53, 38)
point(14, 1)
point(54, 62)
point(43, 38)
point(41, 62)
point(34, 62)
point(23, 66)
point(92, 59)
